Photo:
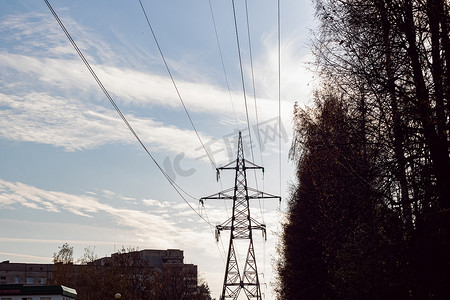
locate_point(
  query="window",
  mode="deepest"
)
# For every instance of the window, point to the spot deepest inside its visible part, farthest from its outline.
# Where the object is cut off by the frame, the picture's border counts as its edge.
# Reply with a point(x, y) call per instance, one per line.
point(16, 279)
point(42, 280)
point(27, 298)
point(30, 280)
point(46, 298)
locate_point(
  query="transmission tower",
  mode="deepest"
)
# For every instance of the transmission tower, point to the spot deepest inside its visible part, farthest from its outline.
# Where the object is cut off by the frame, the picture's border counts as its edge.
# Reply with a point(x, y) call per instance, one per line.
point(241, 225)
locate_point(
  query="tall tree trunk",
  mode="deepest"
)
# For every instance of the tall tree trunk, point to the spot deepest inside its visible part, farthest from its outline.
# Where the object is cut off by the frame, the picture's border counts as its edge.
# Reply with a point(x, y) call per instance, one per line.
point(445, 20)
point(438, 150)
point(400, 170)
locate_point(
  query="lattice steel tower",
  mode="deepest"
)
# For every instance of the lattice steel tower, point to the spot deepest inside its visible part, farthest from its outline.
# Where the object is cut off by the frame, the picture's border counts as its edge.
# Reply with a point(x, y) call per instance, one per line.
point(241, 225)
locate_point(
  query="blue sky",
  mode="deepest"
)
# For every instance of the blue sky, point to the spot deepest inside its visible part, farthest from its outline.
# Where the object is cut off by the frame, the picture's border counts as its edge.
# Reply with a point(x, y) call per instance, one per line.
point(71, 171)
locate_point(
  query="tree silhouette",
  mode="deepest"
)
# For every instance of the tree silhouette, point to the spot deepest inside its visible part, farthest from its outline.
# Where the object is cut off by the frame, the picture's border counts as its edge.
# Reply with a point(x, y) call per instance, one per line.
point(373, 155)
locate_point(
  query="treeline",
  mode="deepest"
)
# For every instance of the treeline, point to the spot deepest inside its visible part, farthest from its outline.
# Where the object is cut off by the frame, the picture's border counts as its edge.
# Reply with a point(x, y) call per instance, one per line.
point(127, 274)
point(369, 216)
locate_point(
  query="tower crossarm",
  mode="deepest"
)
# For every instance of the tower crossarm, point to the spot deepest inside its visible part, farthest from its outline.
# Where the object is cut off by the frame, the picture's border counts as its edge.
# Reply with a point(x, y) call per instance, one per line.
point(229, 166)
point(248, 165)
point(257, 194)
point(255, 225)
point(227, 194)
point(251, 165)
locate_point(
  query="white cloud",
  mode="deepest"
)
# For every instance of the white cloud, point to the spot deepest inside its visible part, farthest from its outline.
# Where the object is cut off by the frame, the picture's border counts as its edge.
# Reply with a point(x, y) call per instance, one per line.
point(70, 124)
point(165, 232)
point(39, 35)
point(155, 203)
point(171, 225)
point(295, 60)
point(52, 66)
point(41, 118)
point(26, 257)
point(67, 122)
point(129, 87)
point(113, 195)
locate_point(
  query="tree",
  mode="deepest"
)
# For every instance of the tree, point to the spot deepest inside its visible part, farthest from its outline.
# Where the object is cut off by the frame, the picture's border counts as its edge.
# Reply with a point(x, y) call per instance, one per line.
point(130, 274)
point(395, 55)
point(203, 292)
point(372, 156)
point(338, 238)
point(91, 277)
point(64, 255)
point(63, 271)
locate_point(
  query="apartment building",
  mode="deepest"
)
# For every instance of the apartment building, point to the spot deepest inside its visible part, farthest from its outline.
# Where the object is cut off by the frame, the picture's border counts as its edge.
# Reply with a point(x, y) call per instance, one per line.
point(163, 261)
point(24, 273)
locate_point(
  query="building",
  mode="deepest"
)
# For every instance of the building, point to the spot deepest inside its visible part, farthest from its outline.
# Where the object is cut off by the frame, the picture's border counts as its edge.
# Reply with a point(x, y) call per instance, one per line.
point(166, 262)
point(24, 292)
point(29, 274)
point(23, 273)
point(152, 258)
point(149, 270)
point(42, 274)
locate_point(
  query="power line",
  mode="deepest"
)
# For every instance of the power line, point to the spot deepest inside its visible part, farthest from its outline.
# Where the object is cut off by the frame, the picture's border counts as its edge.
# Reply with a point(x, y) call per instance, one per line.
point(176, 187)
point(242, 77)
point(256, 108)
point(212, 232)
point(243, 87)
point(174, 84)
point(279, 90)
point(253, 80)
point(223, 64)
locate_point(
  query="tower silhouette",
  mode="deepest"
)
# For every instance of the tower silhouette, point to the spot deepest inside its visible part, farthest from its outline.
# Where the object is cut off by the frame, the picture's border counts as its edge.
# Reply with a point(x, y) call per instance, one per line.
point(241, 225)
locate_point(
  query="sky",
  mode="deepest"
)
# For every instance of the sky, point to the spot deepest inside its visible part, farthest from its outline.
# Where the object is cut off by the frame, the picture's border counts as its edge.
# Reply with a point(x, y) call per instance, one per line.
point(70, 169)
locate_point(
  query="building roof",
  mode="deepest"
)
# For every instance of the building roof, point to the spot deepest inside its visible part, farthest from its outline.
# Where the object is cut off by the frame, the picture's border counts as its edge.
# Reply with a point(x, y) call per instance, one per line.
point(20, 289)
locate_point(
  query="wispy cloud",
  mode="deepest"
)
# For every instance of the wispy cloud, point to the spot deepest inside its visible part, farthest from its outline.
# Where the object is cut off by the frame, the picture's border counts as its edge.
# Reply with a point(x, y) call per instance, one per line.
point(170, 225)
point(54, 241)
point(55, 114)
point(53, 67)
point(127, 86)
point(155, 203)
point(295, 60)
point(26, 257)
point(37, 34)
point(70, 124)
point(157, 228)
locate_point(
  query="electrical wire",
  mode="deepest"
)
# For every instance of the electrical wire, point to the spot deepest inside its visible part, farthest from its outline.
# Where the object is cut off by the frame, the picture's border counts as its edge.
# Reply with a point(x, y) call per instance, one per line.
point(178, 92)
point(245, 97)
point(253, 80)
point(175, 85)
point(242, 78)
point(279, 90)
point(256, 108)
point(223, 64)
point(176, 187)
point(176, 88)
point(179, 95)
point(212, 232)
